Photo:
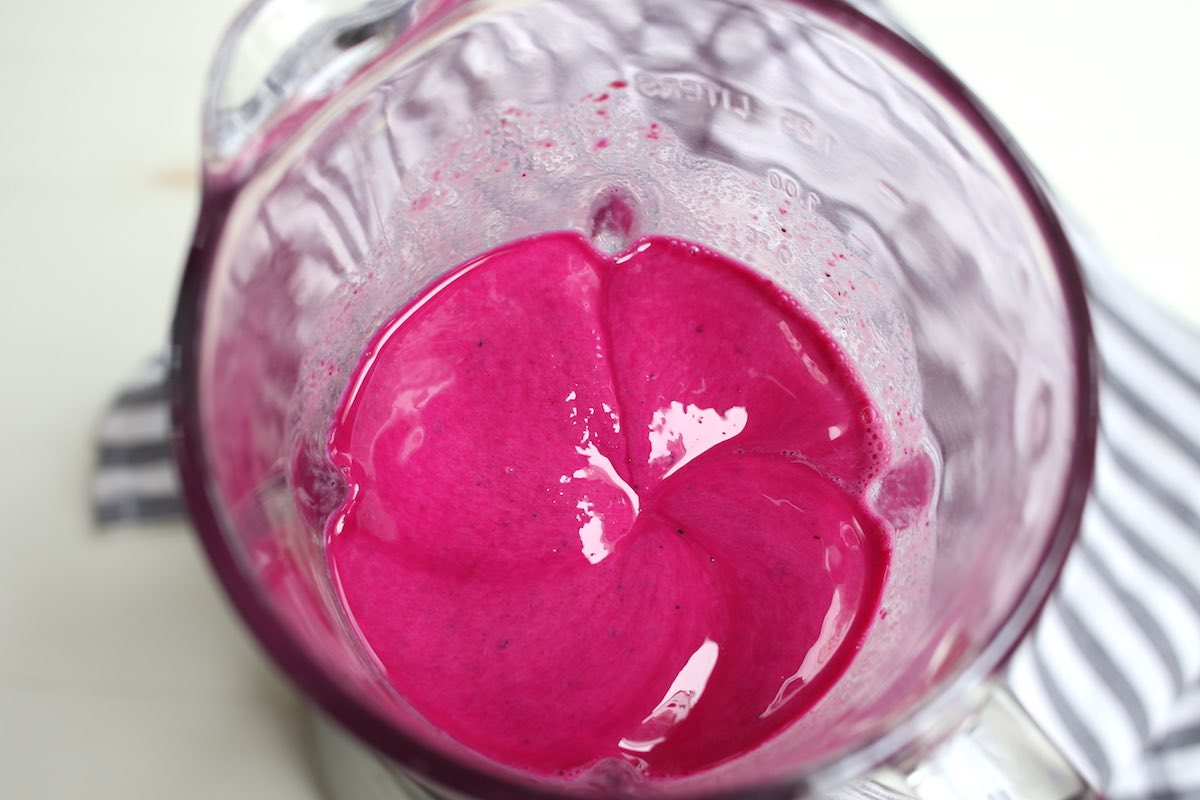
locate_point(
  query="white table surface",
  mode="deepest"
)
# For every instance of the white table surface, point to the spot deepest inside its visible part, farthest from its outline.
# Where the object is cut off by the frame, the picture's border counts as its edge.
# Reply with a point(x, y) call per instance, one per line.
point(123, 674)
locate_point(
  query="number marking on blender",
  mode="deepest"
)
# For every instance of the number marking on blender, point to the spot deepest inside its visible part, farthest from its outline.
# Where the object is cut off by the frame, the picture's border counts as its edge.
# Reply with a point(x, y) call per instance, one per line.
point(792, 188)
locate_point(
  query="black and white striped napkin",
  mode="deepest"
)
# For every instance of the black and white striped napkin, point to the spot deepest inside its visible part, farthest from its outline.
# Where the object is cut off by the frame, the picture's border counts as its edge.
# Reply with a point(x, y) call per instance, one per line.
point(135, 479)
point(1112, 670)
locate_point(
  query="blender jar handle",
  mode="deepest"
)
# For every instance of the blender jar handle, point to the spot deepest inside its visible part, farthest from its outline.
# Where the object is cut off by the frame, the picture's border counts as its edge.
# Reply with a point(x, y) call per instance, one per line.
point(997, 752)
point(280, 61)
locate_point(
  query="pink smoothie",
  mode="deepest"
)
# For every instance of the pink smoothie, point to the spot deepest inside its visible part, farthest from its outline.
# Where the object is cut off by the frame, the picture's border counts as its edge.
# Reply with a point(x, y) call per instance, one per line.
point(607, 506)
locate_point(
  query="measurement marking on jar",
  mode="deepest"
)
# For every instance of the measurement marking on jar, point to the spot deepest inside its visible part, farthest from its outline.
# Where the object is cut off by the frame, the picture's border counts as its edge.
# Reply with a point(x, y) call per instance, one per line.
point(889, 191)
point(695, 90)
point(801, 128)
point(857, 243)
point(782, 182)
point(791, 188)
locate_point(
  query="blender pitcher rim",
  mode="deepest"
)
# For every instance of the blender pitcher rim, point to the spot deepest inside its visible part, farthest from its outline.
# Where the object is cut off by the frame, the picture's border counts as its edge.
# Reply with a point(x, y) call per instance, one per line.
point(356, 716)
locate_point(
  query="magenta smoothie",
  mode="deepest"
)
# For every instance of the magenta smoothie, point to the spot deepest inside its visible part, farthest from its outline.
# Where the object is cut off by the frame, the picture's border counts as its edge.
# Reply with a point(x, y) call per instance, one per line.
point(607, 506)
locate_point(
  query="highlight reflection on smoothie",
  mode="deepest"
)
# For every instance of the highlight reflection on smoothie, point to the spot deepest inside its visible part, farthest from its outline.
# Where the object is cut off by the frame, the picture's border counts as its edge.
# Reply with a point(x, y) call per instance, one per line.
point(678, 434)
point(595, 544)
point(684, 693)
point(608, 506)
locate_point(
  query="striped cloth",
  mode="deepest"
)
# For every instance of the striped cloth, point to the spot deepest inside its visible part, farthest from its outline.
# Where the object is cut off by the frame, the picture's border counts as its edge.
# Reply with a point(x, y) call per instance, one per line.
point(135, 480)
point(1112, 670)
